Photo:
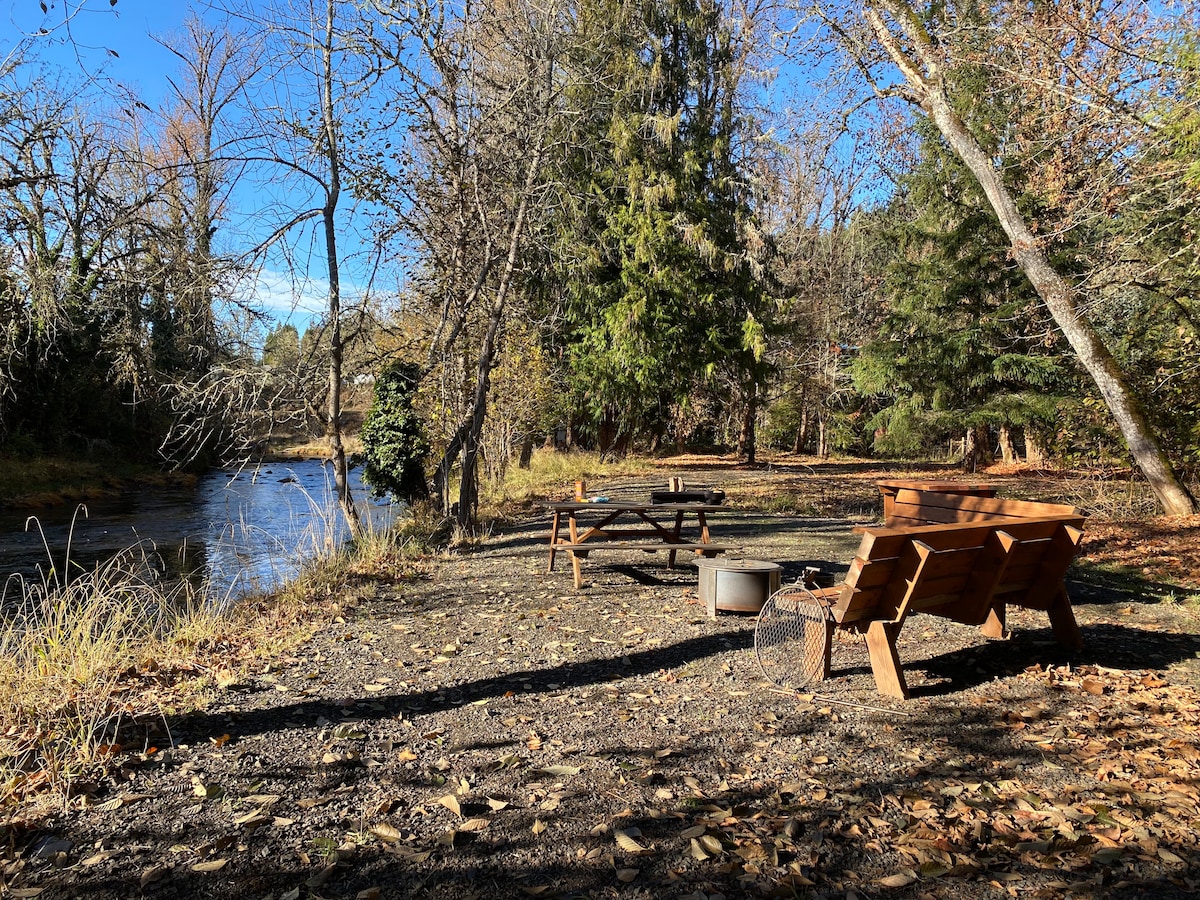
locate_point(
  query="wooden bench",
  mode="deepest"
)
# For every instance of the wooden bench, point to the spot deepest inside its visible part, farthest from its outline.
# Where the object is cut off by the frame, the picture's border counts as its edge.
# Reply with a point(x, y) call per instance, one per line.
point(889, 489)
point(968, 571)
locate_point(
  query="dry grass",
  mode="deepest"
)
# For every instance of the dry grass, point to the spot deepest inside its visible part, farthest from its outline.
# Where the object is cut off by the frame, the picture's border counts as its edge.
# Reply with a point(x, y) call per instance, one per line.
point(552, 474)
point(82, 658)
point(66, 650)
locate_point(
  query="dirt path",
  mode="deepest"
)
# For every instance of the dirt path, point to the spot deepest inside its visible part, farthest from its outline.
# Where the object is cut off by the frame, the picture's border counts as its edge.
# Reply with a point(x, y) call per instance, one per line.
point(489, 731)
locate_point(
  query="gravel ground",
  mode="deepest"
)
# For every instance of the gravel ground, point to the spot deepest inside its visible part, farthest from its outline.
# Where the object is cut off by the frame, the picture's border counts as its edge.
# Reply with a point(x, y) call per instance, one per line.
point(489, 731)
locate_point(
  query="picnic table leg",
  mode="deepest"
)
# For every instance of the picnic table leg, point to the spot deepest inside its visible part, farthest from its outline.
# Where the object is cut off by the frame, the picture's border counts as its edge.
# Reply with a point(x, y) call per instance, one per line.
point(575, 555)
point(885, 661)
point(675, 536)
point(553, 541)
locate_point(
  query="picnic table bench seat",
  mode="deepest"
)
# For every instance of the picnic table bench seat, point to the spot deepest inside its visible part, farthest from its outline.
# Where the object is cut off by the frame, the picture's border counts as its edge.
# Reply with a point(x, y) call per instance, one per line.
point(982, 555)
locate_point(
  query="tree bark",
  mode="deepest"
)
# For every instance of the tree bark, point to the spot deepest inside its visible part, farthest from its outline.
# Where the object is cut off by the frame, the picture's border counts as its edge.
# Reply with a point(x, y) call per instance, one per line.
point(341, 475)
point(922, 66)
point(1008, 453)
point(525, 460)
point(747, 440)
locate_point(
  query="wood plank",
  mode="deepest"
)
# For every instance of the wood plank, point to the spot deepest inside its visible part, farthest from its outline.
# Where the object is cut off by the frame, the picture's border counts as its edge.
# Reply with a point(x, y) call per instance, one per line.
point(993, 506)
point(1043, 592)
point(990, 567)
point(905, 580)
point(885, 660)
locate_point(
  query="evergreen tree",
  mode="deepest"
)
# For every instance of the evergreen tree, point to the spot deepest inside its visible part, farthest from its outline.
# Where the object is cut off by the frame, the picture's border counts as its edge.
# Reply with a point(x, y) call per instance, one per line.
point(393, 436)
point(661, 283)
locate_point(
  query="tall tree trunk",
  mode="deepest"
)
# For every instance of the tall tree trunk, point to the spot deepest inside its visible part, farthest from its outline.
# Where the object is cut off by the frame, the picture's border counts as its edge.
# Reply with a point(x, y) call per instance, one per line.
point(970, 457)
point(1035, 451)
point(801, 439)
point(525, 460)
point(747, 439)
point(333, 426)
point(920, 60)
point(468, 492)
point(1008, 453)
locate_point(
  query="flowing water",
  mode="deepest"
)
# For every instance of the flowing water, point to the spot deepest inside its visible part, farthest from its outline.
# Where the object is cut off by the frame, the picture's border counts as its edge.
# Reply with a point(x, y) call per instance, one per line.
point(239, 530)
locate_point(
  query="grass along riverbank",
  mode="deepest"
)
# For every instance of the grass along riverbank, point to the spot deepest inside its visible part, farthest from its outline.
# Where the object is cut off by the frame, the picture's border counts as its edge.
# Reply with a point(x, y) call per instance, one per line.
point(83, 663)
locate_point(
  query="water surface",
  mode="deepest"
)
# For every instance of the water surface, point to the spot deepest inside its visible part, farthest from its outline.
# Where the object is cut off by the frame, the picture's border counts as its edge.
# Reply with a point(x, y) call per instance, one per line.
point(241, 530)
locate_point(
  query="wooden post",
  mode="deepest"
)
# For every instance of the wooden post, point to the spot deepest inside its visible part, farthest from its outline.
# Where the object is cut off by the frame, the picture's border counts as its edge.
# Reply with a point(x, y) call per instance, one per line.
point(885, 660)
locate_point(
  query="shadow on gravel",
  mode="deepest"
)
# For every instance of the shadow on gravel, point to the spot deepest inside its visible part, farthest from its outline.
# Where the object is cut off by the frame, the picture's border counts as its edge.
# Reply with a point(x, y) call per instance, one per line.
point(1117, 646)
point(379, 706)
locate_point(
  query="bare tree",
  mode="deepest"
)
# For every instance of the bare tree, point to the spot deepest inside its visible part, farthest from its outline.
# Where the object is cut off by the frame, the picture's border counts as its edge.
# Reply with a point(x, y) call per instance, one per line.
point(306, 104)
point(477, 90)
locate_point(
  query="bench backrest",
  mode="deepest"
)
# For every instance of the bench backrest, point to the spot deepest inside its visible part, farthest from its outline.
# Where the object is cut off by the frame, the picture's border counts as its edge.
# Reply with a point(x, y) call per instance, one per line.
point(917, 507)
point(958, 570)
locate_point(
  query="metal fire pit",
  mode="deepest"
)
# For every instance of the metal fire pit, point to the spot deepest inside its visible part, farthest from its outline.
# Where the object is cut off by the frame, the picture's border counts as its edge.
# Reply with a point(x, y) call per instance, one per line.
point(736, 585)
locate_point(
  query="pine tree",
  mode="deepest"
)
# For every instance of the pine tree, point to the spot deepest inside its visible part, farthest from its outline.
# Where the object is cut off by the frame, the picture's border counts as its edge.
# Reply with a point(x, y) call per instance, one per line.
point(660, 279)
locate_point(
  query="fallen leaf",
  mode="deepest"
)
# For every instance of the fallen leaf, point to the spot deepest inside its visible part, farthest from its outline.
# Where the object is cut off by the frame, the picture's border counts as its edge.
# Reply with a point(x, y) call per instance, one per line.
point(386, 832)
point(539, 826)
point(897, 881)
point(451, 803)
point(625, 842)
point(627, 875)
point(210, 865)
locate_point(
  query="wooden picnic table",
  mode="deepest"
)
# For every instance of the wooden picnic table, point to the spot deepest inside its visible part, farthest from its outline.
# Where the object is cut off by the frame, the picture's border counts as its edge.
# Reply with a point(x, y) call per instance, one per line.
point(891, 488)
point(631, 525)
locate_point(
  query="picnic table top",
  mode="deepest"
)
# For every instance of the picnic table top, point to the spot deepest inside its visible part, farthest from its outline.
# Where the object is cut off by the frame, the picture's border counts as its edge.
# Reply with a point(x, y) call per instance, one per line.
point(630, 506)
point(946, 486)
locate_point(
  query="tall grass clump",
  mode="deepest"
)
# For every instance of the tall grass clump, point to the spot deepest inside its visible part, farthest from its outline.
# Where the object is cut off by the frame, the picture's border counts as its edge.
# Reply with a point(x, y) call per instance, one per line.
point(71, 653)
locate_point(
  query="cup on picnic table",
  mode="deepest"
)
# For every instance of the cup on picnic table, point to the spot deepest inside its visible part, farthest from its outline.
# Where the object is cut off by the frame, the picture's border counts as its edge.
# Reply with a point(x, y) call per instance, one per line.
point(580, 490)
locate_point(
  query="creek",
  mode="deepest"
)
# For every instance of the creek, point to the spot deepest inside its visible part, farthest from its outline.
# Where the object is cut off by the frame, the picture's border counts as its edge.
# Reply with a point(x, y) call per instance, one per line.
point(237, 532)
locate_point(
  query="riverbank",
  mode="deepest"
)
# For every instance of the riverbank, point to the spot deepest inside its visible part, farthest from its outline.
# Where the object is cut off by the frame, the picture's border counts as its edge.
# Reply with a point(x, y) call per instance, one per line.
point(473, 726)
point(43, 481)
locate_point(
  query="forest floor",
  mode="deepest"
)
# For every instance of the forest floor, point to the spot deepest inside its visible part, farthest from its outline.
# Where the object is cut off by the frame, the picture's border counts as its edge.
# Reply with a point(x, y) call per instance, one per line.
point(486, 730)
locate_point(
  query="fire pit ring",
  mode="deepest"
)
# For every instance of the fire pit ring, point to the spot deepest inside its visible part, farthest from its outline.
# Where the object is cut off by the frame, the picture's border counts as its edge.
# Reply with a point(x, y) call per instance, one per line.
point(736, 585)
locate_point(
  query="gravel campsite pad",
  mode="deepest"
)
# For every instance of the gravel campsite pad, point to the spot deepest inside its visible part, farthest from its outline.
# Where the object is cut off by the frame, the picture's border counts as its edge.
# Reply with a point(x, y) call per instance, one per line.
point(489, 731)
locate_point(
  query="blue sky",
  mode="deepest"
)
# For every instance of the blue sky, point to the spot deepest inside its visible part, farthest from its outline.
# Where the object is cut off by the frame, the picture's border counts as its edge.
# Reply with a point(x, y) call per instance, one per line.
point(95, 28)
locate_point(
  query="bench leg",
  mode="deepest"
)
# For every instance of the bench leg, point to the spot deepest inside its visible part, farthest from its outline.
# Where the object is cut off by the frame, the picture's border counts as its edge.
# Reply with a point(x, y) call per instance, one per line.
point(885, 661)
point(1062, 621)
point(993, 626)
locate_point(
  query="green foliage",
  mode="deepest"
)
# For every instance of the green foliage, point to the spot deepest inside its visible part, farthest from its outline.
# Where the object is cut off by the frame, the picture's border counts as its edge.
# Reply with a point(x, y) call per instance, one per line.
point(282, 348)
point(658, 274)
point(964, 341)
point(393, 437)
